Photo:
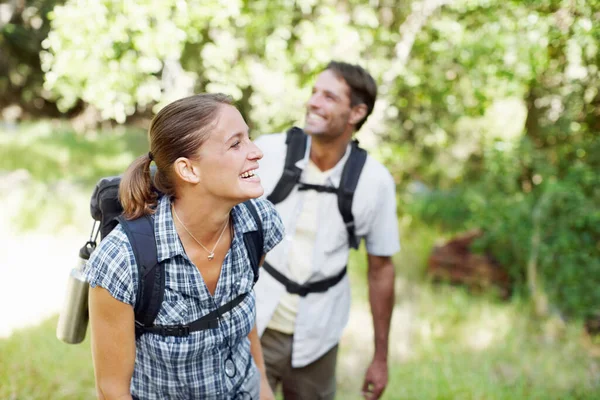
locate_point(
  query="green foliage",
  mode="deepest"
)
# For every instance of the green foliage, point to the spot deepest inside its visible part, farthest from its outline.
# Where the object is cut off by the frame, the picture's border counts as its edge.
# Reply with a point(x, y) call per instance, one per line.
point(516, 174)
point(567, 212)
point(51, 171)
point(23, 26)
point(131, 55)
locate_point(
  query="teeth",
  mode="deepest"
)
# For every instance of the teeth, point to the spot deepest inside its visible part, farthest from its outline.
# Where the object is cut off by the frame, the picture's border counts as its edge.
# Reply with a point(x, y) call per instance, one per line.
point(247, 174)
point(314, 116)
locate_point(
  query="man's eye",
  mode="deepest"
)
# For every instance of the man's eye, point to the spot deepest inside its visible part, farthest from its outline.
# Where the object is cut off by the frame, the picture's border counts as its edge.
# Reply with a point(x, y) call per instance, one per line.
point(236, 144)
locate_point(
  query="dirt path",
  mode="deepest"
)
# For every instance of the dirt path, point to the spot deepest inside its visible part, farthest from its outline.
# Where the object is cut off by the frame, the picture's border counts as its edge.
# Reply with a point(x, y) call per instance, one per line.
point(34, 276)
point(34, 265)
point(357, 342)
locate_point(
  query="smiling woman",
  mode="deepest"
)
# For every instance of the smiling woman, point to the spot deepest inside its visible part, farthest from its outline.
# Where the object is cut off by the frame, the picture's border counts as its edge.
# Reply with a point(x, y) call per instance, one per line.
point(206, 167)
point(226, 159)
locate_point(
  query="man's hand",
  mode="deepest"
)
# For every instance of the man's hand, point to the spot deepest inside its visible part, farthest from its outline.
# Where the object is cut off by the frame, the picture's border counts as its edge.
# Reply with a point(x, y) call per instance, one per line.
point(265, 389)
point(381, 298)
point(376, 380)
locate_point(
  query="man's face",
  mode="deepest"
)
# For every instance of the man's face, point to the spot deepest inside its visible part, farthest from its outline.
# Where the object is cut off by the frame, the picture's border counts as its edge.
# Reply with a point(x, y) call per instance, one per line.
point(328, 108)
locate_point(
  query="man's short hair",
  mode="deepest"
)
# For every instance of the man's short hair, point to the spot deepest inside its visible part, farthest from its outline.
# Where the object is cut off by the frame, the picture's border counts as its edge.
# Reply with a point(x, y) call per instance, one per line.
point(363, 89)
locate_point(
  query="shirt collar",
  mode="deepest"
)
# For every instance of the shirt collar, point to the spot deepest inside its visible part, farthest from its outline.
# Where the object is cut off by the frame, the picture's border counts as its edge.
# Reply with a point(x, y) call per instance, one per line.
point(334, 174)
point(168, 244)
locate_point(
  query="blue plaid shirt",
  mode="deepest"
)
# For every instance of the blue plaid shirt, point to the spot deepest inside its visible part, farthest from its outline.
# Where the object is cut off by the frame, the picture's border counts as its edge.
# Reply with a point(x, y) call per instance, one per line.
point(192, 367)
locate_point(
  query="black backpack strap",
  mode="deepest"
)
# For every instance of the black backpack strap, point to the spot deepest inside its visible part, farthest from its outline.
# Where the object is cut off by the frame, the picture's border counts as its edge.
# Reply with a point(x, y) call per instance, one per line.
point(254, 240)
point(304, 289)
point(296, 141)
point(151, 282)
point(318, 188)
point(348, 182)
point(208, 321)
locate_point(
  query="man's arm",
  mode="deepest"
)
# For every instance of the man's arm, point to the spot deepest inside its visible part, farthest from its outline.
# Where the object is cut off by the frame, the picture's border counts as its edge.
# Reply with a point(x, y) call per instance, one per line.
point(381, 297)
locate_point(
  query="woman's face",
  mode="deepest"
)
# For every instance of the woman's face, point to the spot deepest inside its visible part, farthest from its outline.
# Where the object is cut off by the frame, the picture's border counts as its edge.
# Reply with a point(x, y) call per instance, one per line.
point(229, 159)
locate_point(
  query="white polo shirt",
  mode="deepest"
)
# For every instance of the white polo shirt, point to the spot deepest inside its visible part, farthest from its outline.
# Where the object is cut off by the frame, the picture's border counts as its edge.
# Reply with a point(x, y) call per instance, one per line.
point(321, 317)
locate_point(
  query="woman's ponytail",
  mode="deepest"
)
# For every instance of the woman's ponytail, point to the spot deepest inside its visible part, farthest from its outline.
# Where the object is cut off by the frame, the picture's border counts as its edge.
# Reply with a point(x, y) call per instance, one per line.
point(136, 191)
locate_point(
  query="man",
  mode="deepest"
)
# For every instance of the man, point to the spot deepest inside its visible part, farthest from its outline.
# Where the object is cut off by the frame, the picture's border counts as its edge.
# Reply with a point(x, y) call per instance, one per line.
point(300, 331)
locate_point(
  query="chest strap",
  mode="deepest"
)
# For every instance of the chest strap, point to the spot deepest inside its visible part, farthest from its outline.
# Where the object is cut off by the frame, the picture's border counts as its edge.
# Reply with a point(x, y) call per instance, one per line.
point(306, 288)
point(209, 321)
point(319, 188)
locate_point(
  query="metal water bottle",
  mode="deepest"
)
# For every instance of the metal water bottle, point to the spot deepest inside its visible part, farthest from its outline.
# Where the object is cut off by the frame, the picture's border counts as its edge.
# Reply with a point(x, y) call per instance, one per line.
point(73, 318)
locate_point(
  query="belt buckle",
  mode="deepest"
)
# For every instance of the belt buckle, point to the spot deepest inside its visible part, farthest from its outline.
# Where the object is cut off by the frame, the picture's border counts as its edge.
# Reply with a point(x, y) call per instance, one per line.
point(177, 330)
point(298, 289)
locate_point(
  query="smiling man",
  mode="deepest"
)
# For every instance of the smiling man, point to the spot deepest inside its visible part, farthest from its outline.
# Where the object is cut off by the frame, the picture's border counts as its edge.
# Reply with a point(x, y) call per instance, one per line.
point(330, 196)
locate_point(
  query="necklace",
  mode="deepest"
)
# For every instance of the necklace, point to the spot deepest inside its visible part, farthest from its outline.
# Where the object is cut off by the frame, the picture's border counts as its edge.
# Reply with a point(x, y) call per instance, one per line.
point(211, 254)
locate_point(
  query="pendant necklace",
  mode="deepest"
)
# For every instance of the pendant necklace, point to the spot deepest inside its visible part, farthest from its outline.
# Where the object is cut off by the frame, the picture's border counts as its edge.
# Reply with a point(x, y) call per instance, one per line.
point(211, 254)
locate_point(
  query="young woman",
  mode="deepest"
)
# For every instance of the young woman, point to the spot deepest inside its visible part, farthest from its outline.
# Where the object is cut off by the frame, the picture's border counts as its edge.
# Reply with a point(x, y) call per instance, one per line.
point(206, 167)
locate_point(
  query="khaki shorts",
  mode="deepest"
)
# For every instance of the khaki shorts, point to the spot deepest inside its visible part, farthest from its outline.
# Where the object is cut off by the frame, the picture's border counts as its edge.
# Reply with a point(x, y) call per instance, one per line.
point(313, 382)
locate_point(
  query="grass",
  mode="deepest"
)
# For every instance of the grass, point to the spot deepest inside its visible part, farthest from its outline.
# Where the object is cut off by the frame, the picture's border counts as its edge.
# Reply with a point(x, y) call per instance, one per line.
point(445, 343)
point(51, 152)
point(35, 365)
point(461, 347)
point(453, 345)
point(478, 348)
point(54, 170)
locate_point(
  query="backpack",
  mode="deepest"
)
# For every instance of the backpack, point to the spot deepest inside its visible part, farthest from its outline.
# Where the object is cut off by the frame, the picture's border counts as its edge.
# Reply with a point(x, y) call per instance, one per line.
point(106, 210)
point(296, 141)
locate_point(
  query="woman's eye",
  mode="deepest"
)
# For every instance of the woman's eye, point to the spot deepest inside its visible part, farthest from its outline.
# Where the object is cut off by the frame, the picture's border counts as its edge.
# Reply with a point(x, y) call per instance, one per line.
point(236, 144)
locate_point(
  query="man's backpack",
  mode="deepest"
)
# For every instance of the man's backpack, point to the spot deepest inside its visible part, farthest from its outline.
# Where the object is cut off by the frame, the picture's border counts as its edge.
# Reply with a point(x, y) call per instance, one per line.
point(106, 211)
point(296, 141)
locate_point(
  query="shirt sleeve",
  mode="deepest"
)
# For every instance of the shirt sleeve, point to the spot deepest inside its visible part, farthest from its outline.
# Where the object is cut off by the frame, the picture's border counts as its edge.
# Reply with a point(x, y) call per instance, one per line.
point(111, 267)
point(273, 229)
point(383, 238)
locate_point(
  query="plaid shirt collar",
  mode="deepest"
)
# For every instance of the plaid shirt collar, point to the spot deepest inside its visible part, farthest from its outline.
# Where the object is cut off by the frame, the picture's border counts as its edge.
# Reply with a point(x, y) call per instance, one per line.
point(168, 244)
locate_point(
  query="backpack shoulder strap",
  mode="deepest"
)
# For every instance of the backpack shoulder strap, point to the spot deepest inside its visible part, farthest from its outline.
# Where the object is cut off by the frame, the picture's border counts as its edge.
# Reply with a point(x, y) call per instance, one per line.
point(348, 182)
point(151, 283)
point(254, 240)
point(296, 141)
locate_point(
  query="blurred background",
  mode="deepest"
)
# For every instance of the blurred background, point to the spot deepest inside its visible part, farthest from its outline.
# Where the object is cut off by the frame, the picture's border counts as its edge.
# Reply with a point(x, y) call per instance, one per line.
point(488, 119)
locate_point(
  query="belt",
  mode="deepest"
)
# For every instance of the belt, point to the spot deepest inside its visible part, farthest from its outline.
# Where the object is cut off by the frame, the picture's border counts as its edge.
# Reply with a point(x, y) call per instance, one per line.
point(306, 288)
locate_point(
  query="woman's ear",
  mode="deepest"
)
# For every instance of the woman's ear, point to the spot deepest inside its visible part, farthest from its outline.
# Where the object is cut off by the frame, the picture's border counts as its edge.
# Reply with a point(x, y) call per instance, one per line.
point(186, 171)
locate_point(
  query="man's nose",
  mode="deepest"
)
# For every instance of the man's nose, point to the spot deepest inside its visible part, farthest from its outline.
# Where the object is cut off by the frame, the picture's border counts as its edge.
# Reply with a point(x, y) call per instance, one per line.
point(313, 101)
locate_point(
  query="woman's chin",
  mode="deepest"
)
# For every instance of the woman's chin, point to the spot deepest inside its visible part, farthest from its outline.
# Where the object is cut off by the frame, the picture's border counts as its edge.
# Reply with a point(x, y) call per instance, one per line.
point(256, 193)
point(253, 191)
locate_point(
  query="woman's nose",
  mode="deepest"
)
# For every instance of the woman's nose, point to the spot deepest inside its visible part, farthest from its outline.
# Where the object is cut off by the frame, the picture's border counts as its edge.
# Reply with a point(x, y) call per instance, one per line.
point(255, 152)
